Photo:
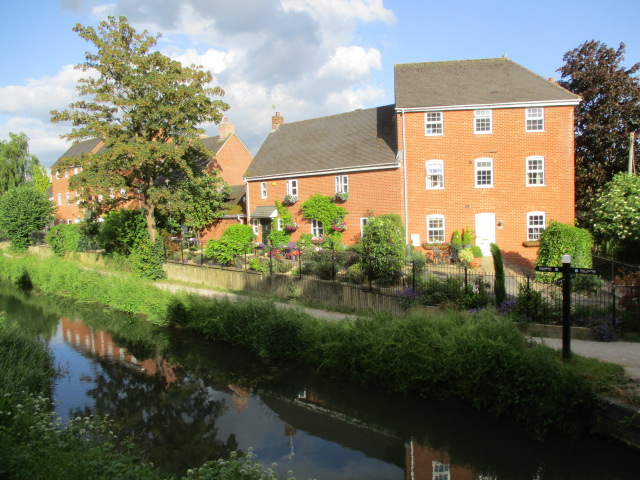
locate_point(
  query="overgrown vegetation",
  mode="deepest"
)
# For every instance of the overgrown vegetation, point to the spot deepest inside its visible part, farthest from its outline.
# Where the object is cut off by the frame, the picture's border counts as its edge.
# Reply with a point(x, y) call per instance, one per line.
point(559, 239)
point(236, 240)
point(24, 210)
point(64, 238)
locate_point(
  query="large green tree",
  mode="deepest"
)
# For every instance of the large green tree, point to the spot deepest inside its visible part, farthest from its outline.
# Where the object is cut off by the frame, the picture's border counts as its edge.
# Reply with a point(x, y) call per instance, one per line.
point(608, 113)
point(17, 165)
point(24, 210)
point(147, 109)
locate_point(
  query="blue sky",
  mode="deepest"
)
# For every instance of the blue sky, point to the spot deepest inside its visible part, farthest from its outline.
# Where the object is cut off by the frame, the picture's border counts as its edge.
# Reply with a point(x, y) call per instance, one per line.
point(303, 58)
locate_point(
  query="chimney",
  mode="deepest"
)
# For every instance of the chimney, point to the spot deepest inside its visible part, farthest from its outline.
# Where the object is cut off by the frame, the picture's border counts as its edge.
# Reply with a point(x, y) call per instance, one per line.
point(552, 79)
point(225, 128)
point(276, 121)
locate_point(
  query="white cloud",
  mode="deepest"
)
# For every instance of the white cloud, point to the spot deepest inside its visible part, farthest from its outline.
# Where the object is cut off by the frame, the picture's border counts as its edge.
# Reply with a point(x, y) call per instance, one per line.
point(38, 96)
point(212, 60)
point(44, 137)
point(352, 63)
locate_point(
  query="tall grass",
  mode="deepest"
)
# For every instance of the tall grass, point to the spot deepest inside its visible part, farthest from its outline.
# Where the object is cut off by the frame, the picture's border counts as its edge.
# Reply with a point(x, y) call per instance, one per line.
point(125, 293)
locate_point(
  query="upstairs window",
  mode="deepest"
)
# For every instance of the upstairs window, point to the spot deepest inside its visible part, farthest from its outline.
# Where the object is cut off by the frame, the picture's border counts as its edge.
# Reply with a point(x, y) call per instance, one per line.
point(68, 196)
point(57, 175)
point(435, 174)
point(342, 184)
point(59, 199)
point(535, 171)
point(482, 121)
point(535, 225)
point(484, 172)
point(66, 174)
point(263, 189)
point(433, 123)
point(292, 188)
point(435, 228)
point(534, 120)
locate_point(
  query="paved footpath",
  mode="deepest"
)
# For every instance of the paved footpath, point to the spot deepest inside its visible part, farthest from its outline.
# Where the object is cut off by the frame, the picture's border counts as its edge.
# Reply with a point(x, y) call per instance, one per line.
point(626, 354)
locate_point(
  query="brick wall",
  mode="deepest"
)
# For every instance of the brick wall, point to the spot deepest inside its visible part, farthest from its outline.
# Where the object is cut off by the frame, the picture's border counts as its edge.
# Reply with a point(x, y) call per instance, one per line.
point(510, 198)
point(232, 160)
point(370, 193)
point(66, 210)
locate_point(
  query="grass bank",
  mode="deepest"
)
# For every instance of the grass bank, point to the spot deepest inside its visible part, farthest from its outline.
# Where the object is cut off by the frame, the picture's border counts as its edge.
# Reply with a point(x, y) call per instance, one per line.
point(482, 359)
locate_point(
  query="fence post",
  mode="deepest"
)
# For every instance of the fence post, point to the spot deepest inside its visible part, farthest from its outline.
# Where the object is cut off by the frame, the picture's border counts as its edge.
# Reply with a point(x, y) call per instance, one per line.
point(613, 295)
point(270, 247)
point(413, 272)
point(466, 278)
point(299, 261)
point(201, 252)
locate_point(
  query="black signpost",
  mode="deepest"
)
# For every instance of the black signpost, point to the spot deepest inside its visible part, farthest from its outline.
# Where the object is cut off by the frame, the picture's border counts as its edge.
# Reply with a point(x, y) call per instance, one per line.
point(567, 273)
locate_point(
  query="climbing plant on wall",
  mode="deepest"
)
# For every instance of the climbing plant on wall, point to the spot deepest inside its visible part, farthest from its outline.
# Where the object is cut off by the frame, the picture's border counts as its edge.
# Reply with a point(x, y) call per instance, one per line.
point(320, 207)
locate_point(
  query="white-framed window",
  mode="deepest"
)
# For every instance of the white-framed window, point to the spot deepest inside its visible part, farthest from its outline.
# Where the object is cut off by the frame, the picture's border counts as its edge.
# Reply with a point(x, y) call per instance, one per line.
point(263, 189)
point(535, 171)
point(70, 221)
point(440, 471)
point(317, 228)
point(292, 188)
point(255, 224)
point(123, 193)
point(484, 172)
point(535, 225)
point(279, 224)
point(75, 170)
point(482, 121)
point(57, 175)
point(433, 123)
point(435, 228)
point(342, 184)
point(59, 199)
point(534, 120)
point(435, 174)
point(66, 174)
point(68, 196)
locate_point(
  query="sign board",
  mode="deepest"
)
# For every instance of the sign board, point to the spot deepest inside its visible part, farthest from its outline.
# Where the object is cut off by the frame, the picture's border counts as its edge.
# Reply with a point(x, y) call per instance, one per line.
point(587, 271)
point(544, 268)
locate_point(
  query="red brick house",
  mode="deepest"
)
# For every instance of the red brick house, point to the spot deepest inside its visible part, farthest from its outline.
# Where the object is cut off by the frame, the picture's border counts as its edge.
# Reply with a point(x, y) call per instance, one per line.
point(231, 159)
point(479, 144)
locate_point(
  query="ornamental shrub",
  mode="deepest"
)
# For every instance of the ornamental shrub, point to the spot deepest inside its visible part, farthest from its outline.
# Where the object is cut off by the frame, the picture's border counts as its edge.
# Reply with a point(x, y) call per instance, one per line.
point(499, 288)
point(147, 259)
point(23, 211)
point(236, 240)
point(383, 249)
point(560, 239)
point(64, 238)
point(121, 230)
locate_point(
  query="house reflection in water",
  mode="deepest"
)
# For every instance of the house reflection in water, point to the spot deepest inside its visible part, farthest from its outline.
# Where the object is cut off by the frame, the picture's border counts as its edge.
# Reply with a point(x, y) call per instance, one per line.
point(424, 463)
point(100, 343)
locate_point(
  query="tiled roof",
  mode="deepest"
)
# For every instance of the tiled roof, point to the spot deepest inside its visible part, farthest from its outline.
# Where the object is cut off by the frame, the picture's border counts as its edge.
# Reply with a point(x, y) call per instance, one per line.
point(472, 82)
point(213, 143)
point(356, 139)
point(86, 146)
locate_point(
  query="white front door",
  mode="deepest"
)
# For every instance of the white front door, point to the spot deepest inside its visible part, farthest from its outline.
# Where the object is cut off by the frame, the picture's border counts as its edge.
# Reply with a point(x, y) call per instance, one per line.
point(485, 231)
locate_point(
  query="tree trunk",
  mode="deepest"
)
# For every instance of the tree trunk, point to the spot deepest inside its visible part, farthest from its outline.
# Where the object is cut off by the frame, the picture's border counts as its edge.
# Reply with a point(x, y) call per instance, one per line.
point(151, 222)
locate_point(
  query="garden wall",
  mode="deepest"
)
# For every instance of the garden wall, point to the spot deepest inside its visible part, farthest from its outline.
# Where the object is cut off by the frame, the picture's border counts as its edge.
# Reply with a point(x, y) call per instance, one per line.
point(332, 294)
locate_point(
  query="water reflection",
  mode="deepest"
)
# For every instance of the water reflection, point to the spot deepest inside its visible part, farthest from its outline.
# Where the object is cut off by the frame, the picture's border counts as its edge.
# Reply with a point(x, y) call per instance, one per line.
point(189, 400)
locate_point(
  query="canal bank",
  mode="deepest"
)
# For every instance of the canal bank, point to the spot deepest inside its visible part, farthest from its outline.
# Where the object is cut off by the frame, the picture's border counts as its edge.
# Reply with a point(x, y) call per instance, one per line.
point(378, 369)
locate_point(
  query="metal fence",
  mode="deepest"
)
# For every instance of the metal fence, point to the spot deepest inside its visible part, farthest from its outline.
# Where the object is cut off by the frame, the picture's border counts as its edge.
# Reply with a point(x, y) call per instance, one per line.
point(535, 297)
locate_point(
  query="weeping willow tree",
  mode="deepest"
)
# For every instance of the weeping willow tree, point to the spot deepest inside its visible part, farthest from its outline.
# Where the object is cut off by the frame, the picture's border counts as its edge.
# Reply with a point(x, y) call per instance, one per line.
point(17, 165)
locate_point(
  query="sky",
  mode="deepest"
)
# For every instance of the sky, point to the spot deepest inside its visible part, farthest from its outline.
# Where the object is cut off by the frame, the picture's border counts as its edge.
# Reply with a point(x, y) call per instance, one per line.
point(302, 58)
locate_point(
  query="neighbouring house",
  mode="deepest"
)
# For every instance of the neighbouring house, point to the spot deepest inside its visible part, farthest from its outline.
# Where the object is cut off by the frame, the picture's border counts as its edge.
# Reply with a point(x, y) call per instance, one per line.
point(485, 145)
point(230, 158)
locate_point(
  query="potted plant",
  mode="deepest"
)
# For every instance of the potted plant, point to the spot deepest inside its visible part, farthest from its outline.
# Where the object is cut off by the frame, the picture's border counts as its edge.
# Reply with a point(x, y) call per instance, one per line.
point(317, 240)
point(468, 237)
point(341, 197)
point(291, 227)
point(467, 258)
point(339, 226)
point(433, 245)
point(289, 199)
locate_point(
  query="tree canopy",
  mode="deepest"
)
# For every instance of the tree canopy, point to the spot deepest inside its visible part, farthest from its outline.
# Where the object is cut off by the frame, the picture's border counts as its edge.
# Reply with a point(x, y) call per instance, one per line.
point(608, 113)
point(147, 109)
point(17, 165)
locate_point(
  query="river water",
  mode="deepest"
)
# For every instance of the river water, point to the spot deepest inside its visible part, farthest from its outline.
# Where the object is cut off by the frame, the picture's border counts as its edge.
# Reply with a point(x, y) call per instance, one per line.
point(188, 400)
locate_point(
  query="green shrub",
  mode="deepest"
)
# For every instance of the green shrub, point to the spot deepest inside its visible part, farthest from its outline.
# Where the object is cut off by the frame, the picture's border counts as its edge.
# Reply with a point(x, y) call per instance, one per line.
point(477, 251)
point(531, 306)
point(147, 259)
point(236, 240)
point(64, 238)
point(559, 239)
point(259, 264)
point(499, 288)
point(383, 249)
point(236, 467)
point(121, 230)
point(23, 211)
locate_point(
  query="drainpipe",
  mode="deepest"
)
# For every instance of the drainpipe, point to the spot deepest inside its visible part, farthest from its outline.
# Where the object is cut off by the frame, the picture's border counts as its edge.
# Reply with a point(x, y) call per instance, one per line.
point(246, 182)
point(404, 169)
